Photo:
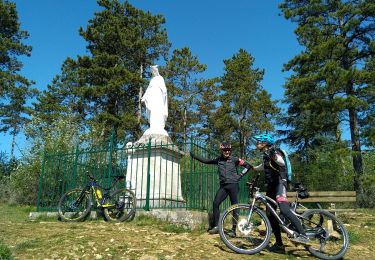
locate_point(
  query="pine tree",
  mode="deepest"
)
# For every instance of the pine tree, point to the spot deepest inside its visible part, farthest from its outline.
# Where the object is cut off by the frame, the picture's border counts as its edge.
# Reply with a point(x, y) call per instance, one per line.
point(244, 104)
point(183, 80)
point(106, 84)
point(367, 121)
point(61, 98)
point(208, 103)
point(338, 39)
point(14, 88)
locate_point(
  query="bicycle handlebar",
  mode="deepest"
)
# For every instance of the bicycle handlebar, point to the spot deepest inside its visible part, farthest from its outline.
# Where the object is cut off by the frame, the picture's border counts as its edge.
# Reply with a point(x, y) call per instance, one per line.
point(117, 177)
point(90, 177)
point(252, 184)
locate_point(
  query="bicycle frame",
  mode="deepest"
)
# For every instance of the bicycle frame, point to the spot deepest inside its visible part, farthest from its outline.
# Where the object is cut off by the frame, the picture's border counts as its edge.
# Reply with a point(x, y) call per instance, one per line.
point(92, 187)
point(267, 201)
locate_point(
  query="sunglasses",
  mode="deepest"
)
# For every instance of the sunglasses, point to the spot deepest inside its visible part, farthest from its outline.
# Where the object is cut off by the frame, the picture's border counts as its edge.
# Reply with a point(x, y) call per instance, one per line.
point(226, 150)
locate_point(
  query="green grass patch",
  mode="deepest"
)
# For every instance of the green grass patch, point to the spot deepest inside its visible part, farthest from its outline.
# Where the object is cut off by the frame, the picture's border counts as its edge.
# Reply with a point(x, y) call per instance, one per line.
point(367, 211)
point(5, 253)
point(165, 226)
point(15, 213)
point(28, 244)
point(354, 237)
point(369, 223)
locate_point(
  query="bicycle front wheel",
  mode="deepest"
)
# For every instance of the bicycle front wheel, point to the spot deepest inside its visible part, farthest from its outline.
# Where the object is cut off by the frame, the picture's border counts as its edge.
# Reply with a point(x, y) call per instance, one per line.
point(328, 235)
point(120, 205)
point(74, 205)
point(244, 229)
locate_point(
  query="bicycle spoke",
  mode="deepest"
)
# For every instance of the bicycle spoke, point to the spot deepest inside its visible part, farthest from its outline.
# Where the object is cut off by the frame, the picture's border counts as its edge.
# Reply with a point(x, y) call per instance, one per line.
point(242, 233)
point(74, 205)
point(327, 234)
point(120, 205)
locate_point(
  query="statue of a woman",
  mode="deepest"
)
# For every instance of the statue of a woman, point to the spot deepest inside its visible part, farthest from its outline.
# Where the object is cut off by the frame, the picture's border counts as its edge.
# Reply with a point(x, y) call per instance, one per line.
point(155, 99)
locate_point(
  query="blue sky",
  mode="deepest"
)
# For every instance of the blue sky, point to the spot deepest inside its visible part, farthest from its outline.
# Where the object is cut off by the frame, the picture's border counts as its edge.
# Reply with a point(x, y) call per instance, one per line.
point(214, 30)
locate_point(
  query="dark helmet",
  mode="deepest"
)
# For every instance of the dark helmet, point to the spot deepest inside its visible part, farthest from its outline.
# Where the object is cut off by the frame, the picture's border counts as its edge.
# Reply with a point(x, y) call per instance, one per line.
point(265, 138)
point(225, 146)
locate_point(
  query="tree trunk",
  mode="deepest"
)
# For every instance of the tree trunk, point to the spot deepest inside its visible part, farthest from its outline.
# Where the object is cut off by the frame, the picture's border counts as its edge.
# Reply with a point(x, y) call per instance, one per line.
point(12, 148)
point(185, 125)
point(140, 104)
point(356, 152)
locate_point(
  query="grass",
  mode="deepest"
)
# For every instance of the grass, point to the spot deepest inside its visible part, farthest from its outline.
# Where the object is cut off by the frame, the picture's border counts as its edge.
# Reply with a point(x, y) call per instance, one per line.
point(145, 220)
point(5, 253)
point(145, 237)
point(28, 244)
point(355, 237)
point(15, 212)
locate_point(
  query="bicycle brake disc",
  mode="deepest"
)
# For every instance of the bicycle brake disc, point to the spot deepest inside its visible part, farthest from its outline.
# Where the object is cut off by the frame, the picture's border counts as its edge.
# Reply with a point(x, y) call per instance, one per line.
point(244, 227)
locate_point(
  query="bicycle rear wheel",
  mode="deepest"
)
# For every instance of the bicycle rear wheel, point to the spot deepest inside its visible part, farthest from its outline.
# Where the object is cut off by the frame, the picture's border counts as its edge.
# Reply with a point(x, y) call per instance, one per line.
point(74, 205)
point(120, 205)
point(242, 233)
point(328, 235)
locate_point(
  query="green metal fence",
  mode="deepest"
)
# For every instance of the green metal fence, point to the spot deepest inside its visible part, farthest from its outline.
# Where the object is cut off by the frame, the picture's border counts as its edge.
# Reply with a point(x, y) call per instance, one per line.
point(162, 174)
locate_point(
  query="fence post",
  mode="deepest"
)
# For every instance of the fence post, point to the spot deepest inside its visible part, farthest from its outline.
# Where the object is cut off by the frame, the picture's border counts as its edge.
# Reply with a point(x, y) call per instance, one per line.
point(147, 206)
point(110, 153)
point(76, 164)
point(40, 182)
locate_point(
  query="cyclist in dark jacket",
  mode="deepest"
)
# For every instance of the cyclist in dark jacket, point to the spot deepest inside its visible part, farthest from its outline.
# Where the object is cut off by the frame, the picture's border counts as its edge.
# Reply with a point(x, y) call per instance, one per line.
point(229, 178)
point(276, 180)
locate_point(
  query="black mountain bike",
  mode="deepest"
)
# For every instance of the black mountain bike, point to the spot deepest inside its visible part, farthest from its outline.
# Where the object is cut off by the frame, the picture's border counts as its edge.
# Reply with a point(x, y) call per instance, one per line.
point(76, 204)
point(328, 236)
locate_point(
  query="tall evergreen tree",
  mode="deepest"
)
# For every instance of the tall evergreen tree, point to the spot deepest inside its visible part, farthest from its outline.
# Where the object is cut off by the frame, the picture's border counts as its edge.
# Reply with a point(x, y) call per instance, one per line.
point(309, 119)
point(367, 121)
point(183, 78)
point(338, 37)
point(208, 104)
point(244, 103)
point(14, 88)
point(107, 83)
point(62, 96)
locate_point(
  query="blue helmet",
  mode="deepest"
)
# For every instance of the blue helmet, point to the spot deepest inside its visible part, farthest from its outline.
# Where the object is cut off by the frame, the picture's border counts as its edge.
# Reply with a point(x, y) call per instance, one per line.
point(265, 138)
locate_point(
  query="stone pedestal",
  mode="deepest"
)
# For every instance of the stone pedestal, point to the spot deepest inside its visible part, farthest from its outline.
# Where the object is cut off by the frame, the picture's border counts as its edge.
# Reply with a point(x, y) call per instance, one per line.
point(153, 169)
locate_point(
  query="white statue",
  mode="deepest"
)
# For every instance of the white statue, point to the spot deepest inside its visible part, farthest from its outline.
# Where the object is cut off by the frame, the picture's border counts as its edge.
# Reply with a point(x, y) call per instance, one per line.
point(155, 99)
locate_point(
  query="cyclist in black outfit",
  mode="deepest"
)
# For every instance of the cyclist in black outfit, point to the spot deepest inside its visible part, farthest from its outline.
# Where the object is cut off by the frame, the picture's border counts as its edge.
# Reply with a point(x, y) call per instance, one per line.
point(276, 180)
point(229, 178)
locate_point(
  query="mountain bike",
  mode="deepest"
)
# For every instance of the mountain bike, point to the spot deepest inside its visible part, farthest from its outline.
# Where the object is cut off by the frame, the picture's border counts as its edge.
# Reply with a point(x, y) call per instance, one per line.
point(118, 205)
point(246, 229)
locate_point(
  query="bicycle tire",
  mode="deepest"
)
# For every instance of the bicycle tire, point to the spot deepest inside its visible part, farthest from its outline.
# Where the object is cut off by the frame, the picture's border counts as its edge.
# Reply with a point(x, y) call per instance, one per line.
point(329, 230)
point(120, 205)
point(246, 233)
point(72, 208)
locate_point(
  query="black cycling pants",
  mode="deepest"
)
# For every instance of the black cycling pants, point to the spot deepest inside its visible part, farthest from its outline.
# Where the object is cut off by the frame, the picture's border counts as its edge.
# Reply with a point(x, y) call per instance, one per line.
point(230, 189)
point(278, 189)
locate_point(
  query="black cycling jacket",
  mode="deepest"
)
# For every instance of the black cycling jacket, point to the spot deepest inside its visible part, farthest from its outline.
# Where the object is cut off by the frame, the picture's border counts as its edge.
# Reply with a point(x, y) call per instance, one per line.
point(227, 168)
point(274, 172)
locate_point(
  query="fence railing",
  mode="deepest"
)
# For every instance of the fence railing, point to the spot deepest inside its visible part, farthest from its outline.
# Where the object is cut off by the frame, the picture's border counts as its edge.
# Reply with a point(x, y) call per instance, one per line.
point(162, 174)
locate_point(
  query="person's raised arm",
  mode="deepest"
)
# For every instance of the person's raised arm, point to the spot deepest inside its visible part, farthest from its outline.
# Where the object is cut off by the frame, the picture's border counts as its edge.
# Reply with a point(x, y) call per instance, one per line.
point(259, 168)
point(246, 166)
point(202, 160)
